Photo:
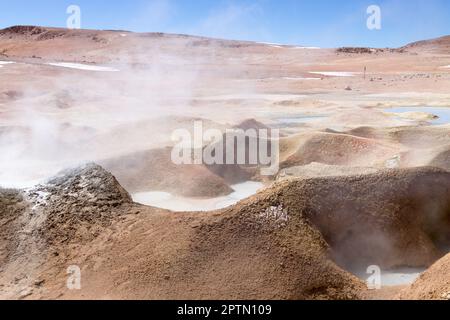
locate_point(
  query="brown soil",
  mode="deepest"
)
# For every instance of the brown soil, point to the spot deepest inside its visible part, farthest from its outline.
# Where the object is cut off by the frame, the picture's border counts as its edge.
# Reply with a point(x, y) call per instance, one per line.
point(278, 244)
point(393, 218)
point(315, 170)
point(434, 284)
point(142, 253)
point(442, 160)
point(439, 45)
point(292, 240)
point(334, 149)
point(155, 171)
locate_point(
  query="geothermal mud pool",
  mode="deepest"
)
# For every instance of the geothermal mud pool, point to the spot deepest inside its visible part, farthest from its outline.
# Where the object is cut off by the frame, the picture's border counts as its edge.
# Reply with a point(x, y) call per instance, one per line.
point(168, 201)
point(397, 277)
point(86, 133)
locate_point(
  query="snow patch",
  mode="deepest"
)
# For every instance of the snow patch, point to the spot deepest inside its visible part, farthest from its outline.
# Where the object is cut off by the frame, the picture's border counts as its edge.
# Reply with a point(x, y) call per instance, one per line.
point(271, 44)
point(335, 73)
point(278, 45)
point(299, 78)
point(86, 67)
point(4, 63)
point(307, 48)
point(291, 78)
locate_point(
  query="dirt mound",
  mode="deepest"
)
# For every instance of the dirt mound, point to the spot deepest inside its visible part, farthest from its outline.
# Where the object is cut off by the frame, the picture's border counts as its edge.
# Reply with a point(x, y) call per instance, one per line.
point(424, 137)
point(70, 209)
point(442, 160)
point(315, 170)
point(256, 250)
point(278, 244)
point(366, 132)
point(439, 45)
point(273, 254)
point(391, 218)
point(421, 137)
point(78, 200)
point(240, 153)
point(334, 149)
point(154, 170)
point(275, 245)
point(434, 284)
point(251, 124)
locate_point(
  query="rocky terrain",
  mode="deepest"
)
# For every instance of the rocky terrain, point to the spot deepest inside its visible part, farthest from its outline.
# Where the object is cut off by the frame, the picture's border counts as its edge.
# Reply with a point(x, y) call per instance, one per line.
point(286, 242)
point(87, 120)
point(183, 257)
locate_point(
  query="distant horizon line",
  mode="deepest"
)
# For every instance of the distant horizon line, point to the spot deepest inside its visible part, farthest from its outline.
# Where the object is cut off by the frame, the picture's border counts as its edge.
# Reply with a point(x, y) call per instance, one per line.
point(221, 39)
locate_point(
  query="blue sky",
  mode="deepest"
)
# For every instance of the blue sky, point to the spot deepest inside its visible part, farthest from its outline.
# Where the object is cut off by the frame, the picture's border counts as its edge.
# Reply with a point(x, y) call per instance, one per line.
point(324, 23)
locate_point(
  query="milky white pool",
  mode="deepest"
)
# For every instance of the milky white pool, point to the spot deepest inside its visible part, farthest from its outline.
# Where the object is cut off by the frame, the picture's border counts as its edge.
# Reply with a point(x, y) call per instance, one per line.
point(165, 200)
